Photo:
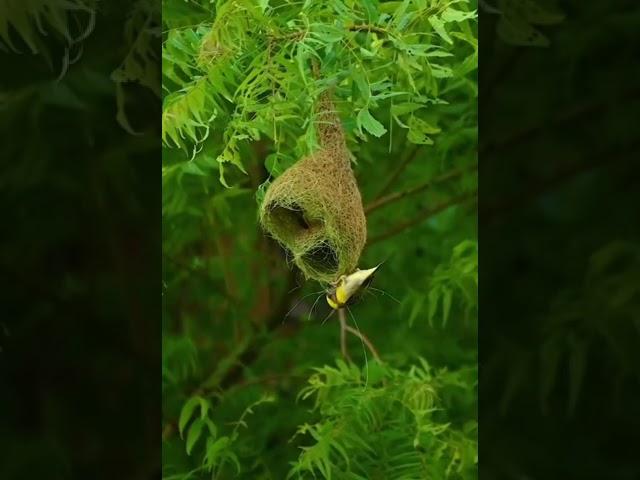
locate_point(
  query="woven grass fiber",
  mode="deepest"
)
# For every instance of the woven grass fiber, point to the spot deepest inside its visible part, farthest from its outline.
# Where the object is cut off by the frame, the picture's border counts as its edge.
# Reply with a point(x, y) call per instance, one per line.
point(314, 209)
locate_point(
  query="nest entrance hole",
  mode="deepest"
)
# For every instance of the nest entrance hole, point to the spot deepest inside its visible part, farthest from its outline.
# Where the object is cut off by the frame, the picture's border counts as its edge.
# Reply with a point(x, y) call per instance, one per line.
point(292, 220)
point(322, 259)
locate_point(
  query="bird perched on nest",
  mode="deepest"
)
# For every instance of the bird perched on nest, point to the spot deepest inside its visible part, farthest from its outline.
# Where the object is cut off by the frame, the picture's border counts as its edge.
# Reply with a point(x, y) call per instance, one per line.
point(348, 288)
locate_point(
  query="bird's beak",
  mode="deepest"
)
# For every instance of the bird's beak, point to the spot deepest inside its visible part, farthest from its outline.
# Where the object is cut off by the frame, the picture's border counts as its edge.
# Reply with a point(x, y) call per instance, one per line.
point(353, 283)
point(369, 273)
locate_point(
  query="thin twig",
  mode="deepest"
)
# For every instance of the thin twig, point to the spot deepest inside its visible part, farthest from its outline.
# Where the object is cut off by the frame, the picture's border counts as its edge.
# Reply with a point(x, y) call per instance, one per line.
point(401, 168)
point(428, 213)
point(368, 28)
point(343, 335)
point(366, 341)
point(392, 197)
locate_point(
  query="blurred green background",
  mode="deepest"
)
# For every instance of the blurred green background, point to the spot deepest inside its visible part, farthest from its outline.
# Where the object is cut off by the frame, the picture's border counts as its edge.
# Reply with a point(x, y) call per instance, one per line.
point(80, 263)
point(559, 209)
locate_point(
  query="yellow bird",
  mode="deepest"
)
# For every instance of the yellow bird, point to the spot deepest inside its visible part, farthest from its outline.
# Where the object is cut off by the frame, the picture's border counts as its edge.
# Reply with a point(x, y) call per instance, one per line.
point(349, 287)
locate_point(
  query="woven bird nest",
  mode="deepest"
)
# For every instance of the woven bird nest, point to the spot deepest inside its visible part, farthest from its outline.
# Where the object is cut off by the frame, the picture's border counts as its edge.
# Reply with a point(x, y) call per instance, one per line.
point(314, 209)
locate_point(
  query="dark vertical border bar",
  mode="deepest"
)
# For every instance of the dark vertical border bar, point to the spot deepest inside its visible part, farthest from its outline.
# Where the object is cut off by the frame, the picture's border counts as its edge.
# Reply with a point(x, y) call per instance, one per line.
point(560, 237)
point(80, 256)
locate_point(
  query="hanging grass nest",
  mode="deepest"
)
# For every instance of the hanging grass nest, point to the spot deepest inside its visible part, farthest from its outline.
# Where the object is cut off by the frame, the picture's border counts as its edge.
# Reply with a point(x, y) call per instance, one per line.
point(314, 209)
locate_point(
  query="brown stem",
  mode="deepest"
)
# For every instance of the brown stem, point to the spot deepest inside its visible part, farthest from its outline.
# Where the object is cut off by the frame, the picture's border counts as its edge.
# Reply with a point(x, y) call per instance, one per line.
point(392, 197)
point(366, 341)
point(401, 168)
point(368, 28)
point(428, 213)
point(343, 335)
point(315, 68)
point(363, 27)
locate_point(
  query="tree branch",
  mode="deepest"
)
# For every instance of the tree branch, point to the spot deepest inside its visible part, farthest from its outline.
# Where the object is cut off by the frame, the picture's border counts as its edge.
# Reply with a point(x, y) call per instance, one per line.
point(401, 168)
point(343, 335)
point(366, 341)
point(428, 213)
point(381, 202)
point(368, 28)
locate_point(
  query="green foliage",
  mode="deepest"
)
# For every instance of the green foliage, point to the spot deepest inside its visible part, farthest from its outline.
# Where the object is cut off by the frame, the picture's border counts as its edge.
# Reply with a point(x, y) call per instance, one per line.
point(399, 424)
point(28, 21)
point(459, 275)
point(253, 383)
point(141, 65)
point(80, 260)
point(246, 71)
point(599, 313)
point(518, 18)
point(560, 294)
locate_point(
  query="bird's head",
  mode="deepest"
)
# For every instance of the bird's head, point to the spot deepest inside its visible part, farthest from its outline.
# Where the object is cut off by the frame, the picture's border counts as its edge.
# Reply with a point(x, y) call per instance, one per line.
point(347, 288)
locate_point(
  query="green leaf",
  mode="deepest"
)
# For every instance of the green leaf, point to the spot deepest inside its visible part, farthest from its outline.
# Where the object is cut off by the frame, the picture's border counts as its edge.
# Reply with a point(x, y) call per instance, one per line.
point(204, 403)
point(416, 309)
point(192, 168)
point(517, 32)
point(272, 165)
point(187, 412)
point(419, 130)
point(441, 71)
point(438, 26)
point(264, 4)
point(376, 372)
point(194, 434)
point(438, 54)
point(221, 176)
point(370, 124)
point(214, 450)
point(302, 56)
point(446, 305)
point(361, 83)
point(424, 126)
point(453, 15)
point(234, 459)
point(404, 108)
point(213, 431)
point(371, 8)
point(327, 33)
